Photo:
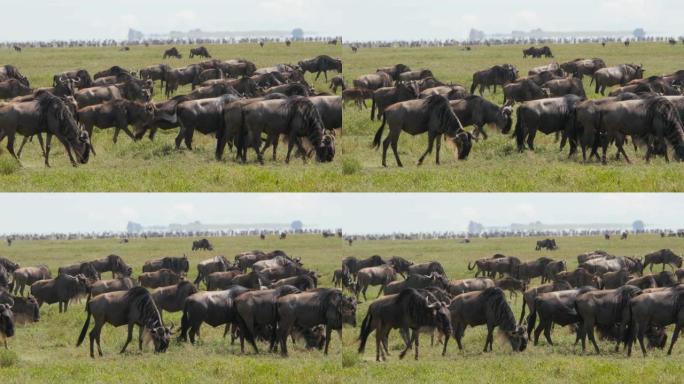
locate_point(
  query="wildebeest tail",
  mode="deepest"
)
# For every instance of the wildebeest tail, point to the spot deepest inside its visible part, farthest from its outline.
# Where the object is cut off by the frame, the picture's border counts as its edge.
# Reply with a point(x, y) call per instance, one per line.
point(378, 134)
point(365, 331)
point(473, 86)
point(470, 268)
point(81, 337)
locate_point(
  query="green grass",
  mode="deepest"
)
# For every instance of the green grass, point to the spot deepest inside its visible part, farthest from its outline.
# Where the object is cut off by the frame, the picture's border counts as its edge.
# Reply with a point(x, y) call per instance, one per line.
point(157, 166)
point(495, 164)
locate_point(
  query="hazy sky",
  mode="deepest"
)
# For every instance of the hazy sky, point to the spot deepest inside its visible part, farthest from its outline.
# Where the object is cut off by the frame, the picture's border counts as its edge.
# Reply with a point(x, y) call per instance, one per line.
point(354, 19)
point(355, 213)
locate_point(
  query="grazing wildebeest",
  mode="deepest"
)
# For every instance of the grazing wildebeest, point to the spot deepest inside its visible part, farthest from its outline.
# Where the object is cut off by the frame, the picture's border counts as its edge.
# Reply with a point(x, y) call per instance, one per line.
point(46, 113)
point(427, 268)
point(664, 257)
point(113, 264)
point(562, 87)
point(172, 298)
point(417, 282)
point(600, 266)
point(415, 75)
point(373, 81)
point(580, 278)
point(604, 308)
point(11, 72)
point(130, 90)
point(337, 82)
point(552, 68)
point(512, 285)
point(488, 307)
point(159, 278)
point(6, 323)
point(357, 95)
point(580, 67)
point(258, 309)
point(119, 113)
point(400, 265)
point(221, 280)
point(200, 51)
point(395, 70)
point(133, 307)
point(557, 307)
point(81, 77)
point(25, 310)
point(547, 116)
point(530, 269)
point(352, 265)
point(322, 63)
point(451, 92)
point(214, 308)
point(621, 74)
point(172, 52)
point(385, 97)
point(478, 111)
point(523, 90)
point(179, 265)
point(552, 269)
point(458, 287)
point(658, 308)
point(496, 75)
point(532, 293)
point(497, 264)
point(209, 266)
point(12, 88)
point(537, 52)
point(549, 244)
point(155, 73)
point(61, 289)
point(86, 269)
point(324, 306)
point(29, 275)
point(301, 282)
point(330, 109)
point(405, 310)
point(203, 245)
point(612, 280)
point(432, 115)
point(381, 275)
point(114, 285)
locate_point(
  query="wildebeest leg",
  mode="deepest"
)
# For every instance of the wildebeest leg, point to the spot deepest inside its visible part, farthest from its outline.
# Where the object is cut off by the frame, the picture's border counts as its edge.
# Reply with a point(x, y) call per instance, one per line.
point(378, 343)
point(408, 345)
point(621, 149)
point(431, 143)
point(140, 337)
point(547, 333)
point(490, 337)
point(21, 147)
point(532, 132)
point(290, 146)
point(179, 137)
point(328, 334)
point(590, 334)
point(10, 146)
point(95, 336)
point(675, 335)
point(129, 337)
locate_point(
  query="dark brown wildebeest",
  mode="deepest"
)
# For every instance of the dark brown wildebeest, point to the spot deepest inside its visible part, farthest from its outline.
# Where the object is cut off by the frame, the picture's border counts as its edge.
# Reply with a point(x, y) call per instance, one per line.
point(512, 285)
point(658, 308)
point(182, 76)
point(11, 72)
point(86, 269)
point(537, 52)
point(119, 113)
point(25, 310)
point(552, 269)
point(46, 114)
point(617, 279)
point(488, 307)
point(113, 264)
point(155, 73)
point(654, 84)
point(580, 67)
point(532, 293)
point(458, 287)
point(290, 89)
point(373, 81)
point(523, 90)
point(133, 307)
point(497, 264)
point(29, 275)
point(566, 86)
point(556, 307)
point(621, 74)
point(12, 88)
point(384, 97)
point(417, 282)
point(112, 71)
point(114, 285)
point(172, 298)
point(553, 69)
point(604, 309)
point(600, 266)
point(643, 282)
point(179, 265)
point(451, 92)
point(381, 275)
point(407, 310)
point(432, 115)
point(478, 111)
point(549, 244)
point(598, 254)
point(357, 95)
point(130, 90)
point(541, 78)
point(352, 265)
point(415, 75)
point(664, 257)
point(236, 68)
point(496, 75)
point(342, 279)
point(337, 82)
point(246, 260)
point(289, 270)
point(213, 308)
point(202, 245)
point(322, 63)
point(200, 51)
point(400, 265)
point(257, 309)
point(6, 323)
point(61, 289)
point(528, 270)
point(209, 266)
point(427, 268)
point(301, 282)
point(330, 109)
point(580, 278)
point(623, 236)
point(221, 280)
point(395, 70)
point(172, 52)
point(159, 278)
point(211, 76)
point(323, 306)
point(666, 279)
point(429, 82)
point(278, 261)
point(547, 116)
point(9, 265)
point(252, 280)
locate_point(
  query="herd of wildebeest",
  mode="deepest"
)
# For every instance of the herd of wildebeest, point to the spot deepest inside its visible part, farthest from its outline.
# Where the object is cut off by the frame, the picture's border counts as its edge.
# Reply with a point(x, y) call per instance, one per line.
point(552, 100)
point(241, 105)
point(271, 297)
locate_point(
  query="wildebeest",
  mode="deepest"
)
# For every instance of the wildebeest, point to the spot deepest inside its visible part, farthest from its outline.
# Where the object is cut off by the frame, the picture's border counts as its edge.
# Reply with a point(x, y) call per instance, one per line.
point(221, 280)
point(114, 264)
point(105, 286)
point(9, 265)
point(179, 265)
point(203, 245)
point(337, 82)
point(209, 266)
point(400, 265)
point(322, 63)
point(172, 52)
point(552, 68)
point(214, 308)
point(11, 72)
point(301, 282)
point(451, 92)
point(12, 88)
point(352, 265)
point(257, 309)
point(497, 264)
point(562, 87)
point(29, 275)
point(277, 261)
point(200, 51)
point(130, 90)
point(330, 109)
point(530, 294)
point(643, 282)
point(556, 307)
point(181, 76)
point(405, 310)
point(580, 67)
point(432, 115)
point(427, 268)
point(523, 90)
point(417, 282)
point(664, 257)
point(600, 266)
point(461, 286)
point(159, 278)
point(658, 308)
point(25, 310)
point(512, 285)
point(172, 298)
point(381, 275)
point(549, 244)
point(478, 111)
point(552, 269)
point(119, 113)
point(342, 279)
point(621, 74)
point(537, 52)
point(155, 73)
point(357, 95)
point(530, 269)
point(61, 289)
point(616, 279)
point(6, 323)
point(324, 306)
point(547, 116)
point(246, 260)
point(395, 70)
point(580, 278)
point(488, 307)
point(385, 97)
point(597, 254)
point(133, 307)
point(86, 269)
point(415, 75)
point(373, 81)
point(496, 75)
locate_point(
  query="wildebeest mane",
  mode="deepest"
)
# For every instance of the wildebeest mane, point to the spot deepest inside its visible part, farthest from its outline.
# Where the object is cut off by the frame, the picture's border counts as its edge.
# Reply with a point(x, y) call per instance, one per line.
point(311, 118)
point(497, 305)
point(660, 109)
point(439, 107)
point(141, 298)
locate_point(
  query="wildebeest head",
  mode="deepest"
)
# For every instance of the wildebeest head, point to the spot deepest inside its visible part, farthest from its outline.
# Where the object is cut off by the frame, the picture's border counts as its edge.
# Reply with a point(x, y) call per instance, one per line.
point(464, 143)
point(518, 338)
point(325, 153)
point(6, 320)
point(440, 314)
point(347, 310)
point(504, 119)
point(161, 337)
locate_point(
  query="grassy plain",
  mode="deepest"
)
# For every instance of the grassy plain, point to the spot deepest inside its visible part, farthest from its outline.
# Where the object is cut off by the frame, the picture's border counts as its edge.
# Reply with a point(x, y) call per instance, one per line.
point(495, 164)
point(157, 166)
